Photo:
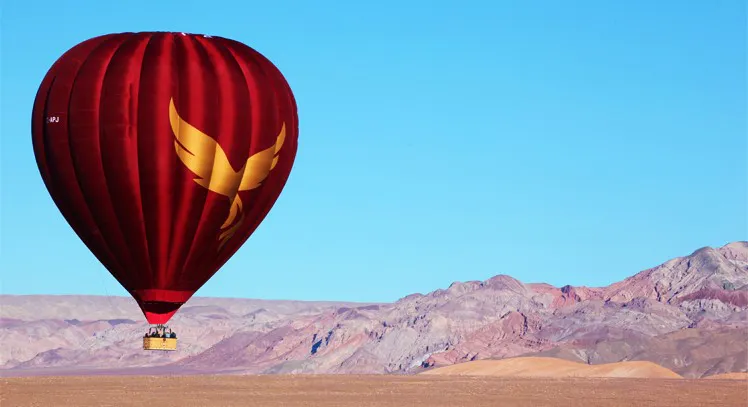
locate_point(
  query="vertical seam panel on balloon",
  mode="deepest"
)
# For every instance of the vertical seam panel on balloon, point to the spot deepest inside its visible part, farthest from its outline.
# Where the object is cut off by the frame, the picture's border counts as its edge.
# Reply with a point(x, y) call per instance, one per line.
point(290, 101)
point(43, 141)
point(230, 60)
point(153, 229)
point(267, 196)
point(133, 106)
point(114, 259)
point(85, 238)
point(177, 189)
point(271, 194)
point(224, 257)
point(200, 224)
point(290, 153)
point(100, 135)
point(274, 193)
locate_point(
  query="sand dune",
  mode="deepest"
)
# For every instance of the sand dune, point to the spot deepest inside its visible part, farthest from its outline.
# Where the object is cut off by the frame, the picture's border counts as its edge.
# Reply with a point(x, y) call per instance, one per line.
point(729, 376)
point(553, 368)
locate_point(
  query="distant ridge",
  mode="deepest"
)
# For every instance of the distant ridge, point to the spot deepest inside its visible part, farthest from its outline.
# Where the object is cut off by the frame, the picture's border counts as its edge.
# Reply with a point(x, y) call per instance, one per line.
point(689, 315)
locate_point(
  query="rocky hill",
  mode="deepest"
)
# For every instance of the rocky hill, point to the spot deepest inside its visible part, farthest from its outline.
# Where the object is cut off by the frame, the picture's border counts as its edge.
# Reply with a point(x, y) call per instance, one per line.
point(689, 315)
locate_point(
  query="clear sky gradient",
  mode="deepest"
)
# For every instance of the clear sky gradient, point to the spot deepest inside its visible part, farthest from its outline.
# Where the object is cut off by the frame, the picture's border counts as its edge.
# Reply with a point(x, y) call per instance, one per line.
point(574, 142)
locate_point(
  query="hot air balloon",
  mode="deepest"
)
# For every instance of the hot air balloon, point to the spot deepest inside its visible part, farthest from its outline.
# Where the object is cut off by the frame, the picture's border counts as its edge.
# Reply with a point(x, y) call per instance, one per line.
point(164, 152)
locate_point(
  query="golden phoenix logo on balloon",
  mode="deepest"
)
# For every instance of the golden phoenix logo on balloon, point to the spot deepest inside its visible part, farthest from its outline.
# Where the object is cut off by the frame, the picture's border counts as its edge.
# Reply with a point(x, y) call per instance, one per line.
point(202, 155)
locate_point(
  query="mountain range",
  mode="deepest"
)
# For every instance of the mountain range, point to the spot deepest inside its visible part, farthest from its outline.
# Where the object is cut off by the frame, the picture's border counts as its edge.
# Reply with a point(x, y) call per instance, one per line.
point(689, 315)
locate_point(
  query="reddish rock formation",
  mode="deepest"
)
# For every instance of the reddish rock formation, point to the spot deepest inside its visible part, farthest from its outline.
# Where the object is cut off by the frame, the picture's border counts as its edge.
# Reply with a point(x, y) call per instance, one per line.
point(682, 314)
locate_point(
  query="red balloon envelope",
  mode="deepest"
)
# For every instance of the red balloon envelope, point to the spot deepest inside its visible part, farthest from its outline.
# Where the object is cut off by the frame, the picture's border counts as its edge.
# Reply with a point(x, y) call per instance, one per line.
point(164, 152)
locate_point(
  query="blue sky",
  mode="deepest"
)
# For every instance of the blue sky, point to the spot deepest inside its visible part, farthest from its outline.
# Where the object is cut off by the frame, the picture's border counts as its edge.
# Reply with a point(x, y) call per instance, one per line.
point(568, 142)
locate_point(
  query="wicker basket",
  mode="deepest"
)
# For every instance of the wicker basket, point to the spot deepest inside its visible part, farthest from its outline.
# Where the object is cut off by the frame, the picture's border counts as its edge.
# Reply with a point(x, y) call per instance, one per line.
point(159, 343)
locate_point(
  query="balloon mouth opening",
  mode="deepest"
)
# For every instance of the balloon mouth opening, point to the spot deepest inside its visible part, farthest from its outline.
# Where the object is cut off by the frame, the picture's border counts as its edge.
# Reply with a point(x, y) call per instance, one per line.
point(159, 305)
point(158, 312)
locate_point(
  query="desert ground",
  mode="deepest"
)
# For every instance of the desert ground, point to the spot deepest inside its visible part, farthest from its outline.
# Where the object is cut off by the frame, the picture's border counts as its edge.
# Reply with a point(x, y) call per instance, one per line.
point(363, 391)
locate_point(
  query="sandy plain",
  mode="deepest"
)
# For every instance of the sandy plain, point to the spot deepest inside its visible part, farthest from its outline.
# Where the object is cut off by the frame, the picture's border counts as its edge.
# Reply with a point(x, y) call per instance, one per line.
point(366, 391)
